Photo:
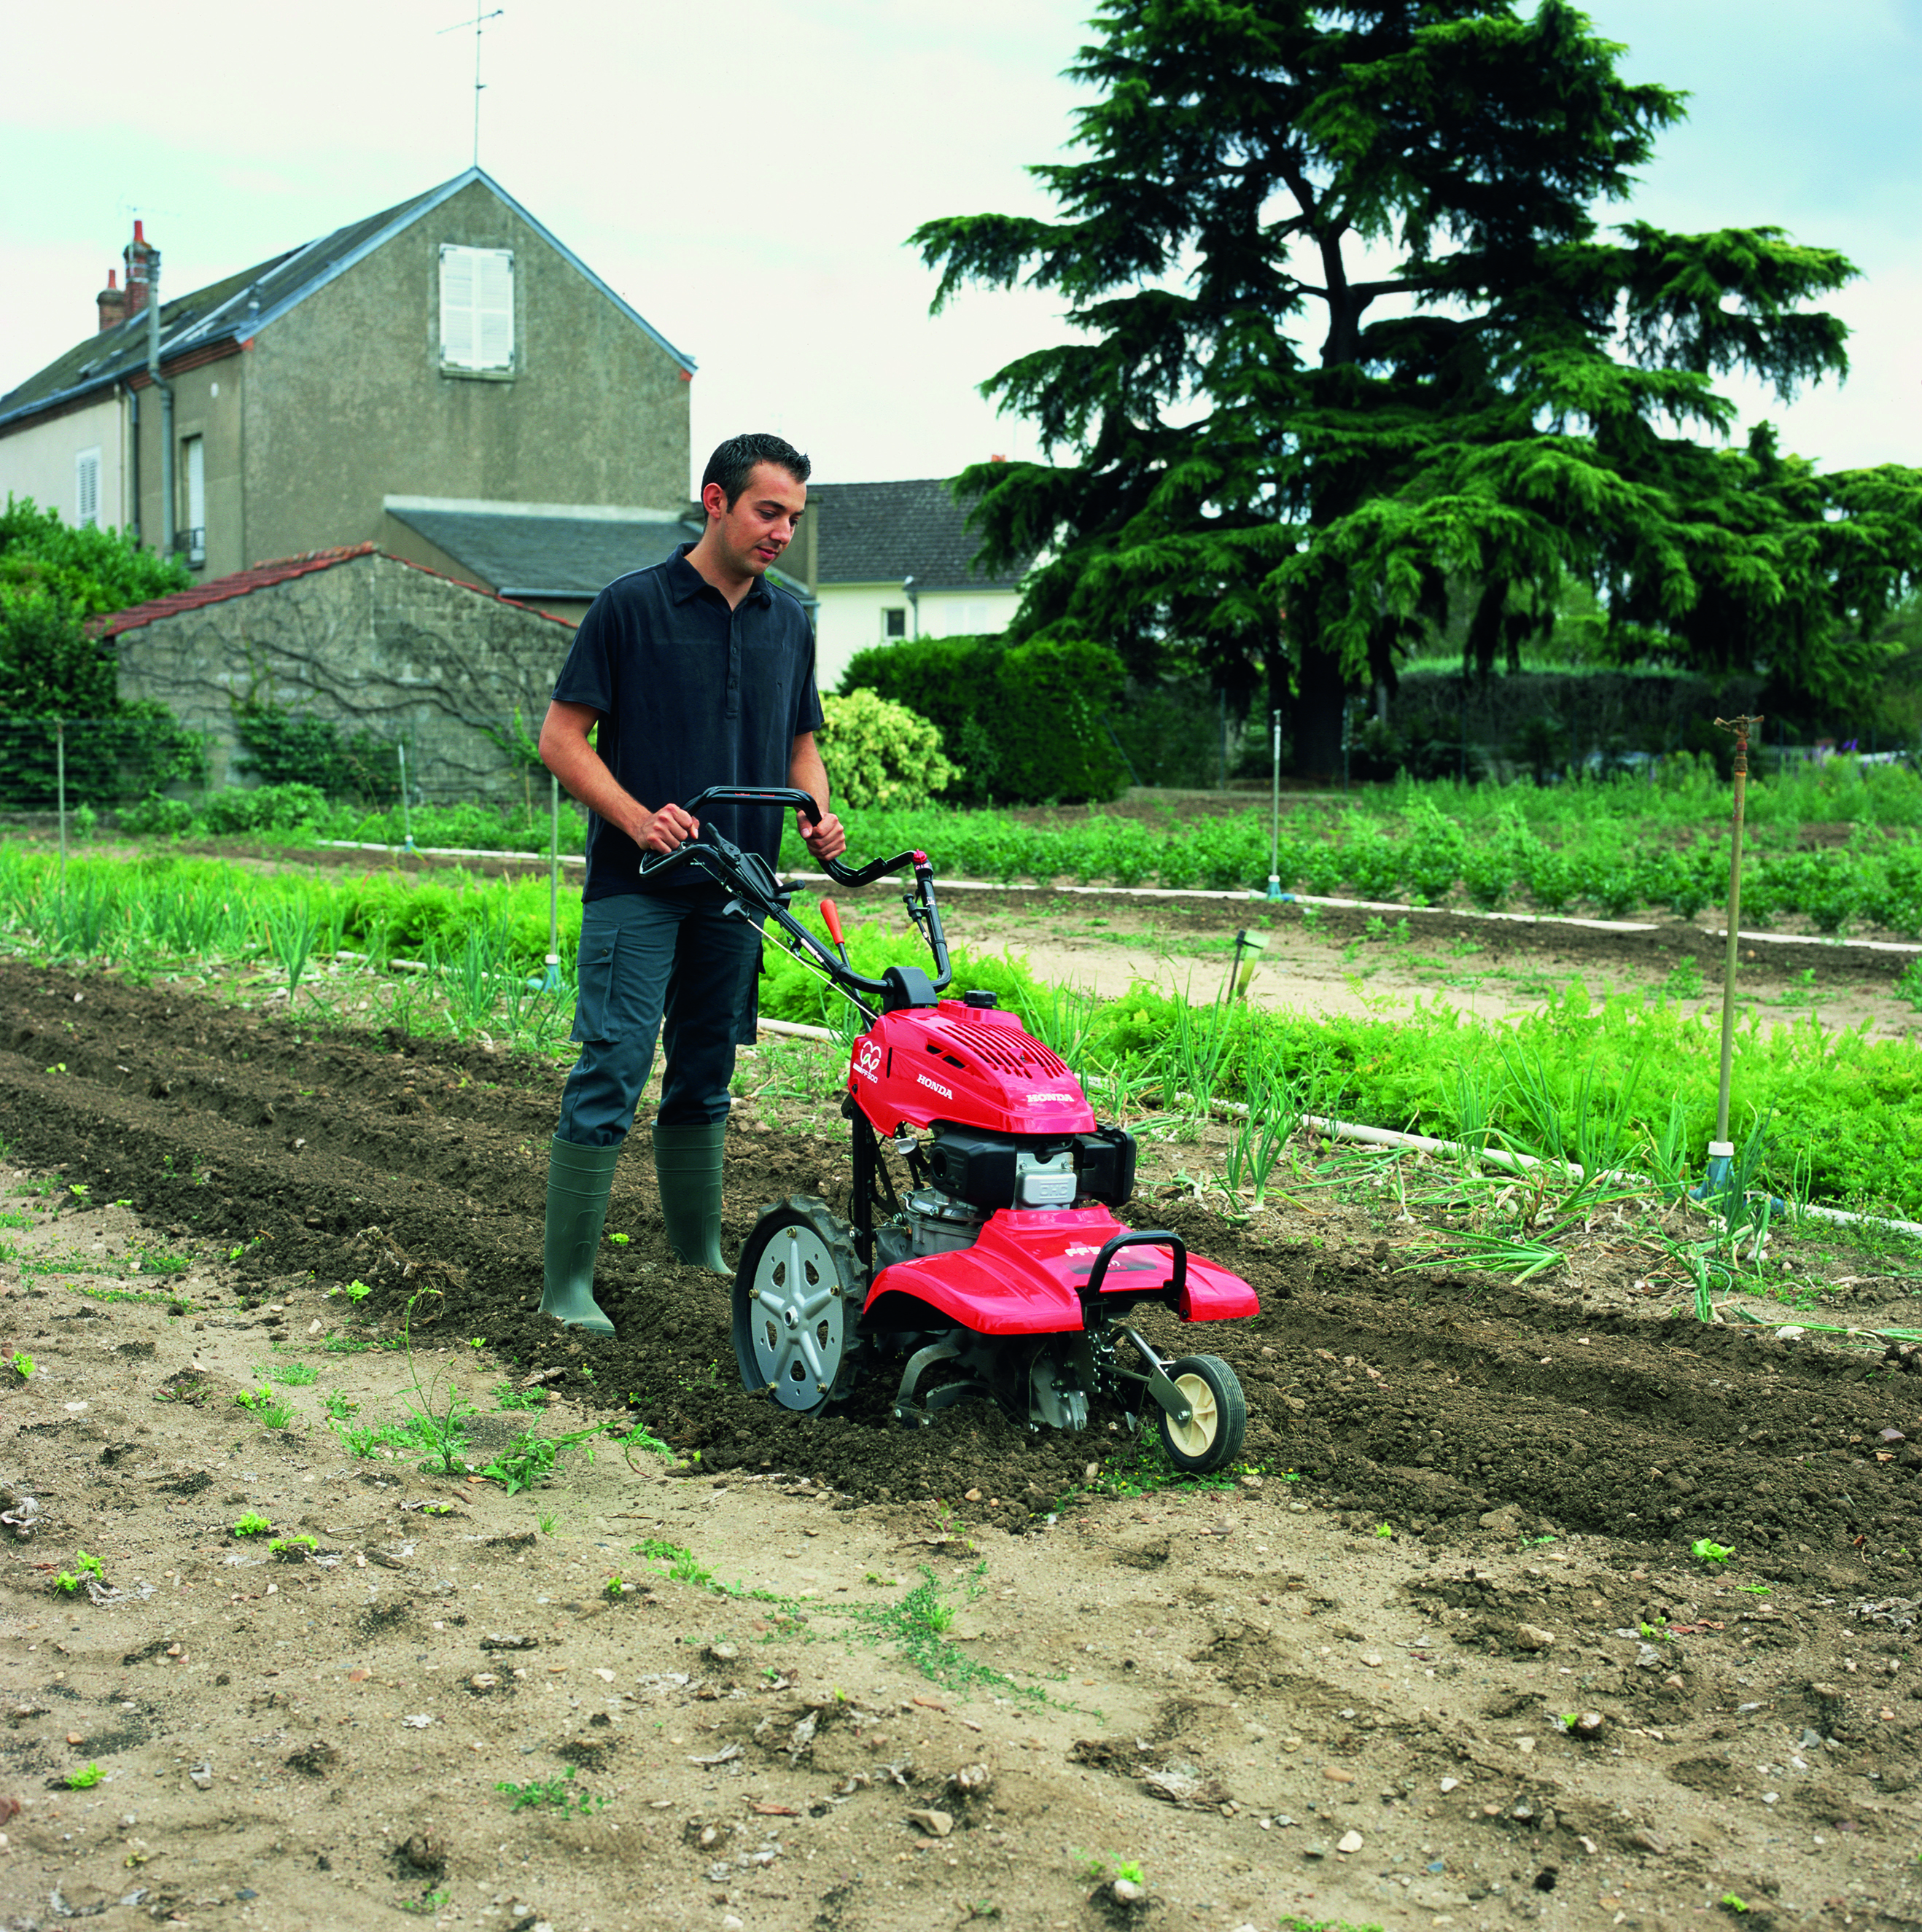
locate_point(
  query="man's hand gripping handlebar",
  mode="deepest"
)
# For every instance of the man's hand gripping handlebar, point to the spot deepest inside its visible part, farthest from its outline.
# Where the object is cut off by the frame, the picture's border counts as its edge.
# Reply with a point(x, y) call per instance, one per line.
point(748, 877)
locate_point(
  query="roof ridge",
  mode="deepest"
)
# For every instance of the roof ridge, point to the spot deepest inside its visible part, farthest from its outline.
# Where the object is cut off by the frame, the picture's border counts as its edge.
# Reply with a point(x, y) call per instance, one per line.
point(264, 575)
point(305, 269)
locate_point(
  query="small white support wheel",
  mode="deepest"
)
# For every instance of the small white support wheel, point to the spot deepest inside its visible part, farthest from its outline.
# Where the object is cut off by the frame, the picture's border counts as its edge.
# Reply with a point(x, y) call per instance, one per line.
point(1218, 1421)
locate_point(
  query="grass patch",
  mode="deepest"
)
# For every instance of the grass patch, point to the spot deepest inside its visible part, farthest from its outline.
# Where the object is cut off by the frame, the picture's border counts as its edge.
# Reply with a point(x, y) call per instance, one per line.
point(559, 1794)
point(918, 1624)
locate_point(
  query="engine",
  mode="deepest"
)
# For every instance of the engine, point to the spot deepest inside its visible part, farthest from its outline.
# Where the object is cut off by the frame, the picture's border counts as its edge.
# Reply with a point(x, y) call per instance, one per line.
point(971, 1173)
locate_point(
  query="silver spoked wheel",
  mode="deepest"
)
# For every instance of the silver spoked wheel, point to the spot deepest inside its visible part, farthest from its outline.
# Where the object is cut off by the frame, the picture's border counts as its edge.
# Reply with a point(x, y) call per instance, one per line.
point(796, 1314)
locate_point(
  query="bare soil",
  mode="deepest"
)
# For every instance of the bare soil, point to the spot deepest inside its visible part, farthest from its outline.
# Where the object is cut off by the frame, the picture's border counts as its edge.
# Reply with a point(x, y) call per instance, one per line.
point(1343, 960)
point(1468, 1515)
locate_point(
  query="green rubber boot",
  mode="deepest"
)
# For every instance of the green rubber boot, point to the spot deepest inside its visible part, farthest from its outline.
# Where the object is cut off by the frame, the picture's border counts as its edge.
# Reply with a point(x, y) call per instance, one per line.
point(578, 1180)
point(687, 1163)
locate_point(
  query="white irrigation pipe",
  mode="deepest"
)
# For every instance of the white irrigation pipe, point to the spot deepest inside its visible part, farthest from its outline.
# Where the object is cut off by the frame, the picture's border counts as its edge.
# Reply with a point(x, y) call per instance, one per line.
point(1387, 1137)
point(1188, 892)
point(793, 1030)
point(443, 851)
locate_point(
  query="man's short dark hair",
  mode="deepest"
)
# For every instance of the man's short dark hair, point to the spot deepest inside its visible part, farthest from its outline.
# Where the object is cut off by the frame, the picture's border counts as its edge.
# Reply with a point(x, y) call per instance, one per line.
point(733, 463)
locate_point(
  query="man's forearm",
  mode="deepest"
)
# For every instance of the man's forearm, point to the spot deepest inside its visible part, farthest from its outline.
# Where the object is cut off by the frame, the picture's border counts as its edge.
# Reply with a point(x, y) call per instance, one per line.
point(583, 774)
point(807, 773)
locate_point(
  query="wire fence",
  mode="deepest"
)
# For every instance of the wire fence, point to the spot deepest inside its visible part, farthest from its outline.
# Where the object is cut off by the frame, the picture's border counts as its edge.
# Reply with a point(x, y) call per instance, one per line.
point(144, 753)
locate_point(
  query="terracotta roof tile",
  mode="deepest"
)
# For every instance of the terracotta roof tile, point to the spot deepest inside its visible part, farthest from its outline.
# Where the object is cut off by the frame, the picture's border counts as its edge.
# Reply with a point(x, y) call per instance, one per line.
point(280, 570)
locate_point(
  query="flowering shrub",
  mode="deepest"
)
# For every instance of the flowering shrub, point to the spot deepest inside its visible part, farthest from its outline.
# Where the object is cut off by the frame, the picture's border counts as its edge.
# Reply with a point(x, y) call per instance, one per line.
point(880, 754)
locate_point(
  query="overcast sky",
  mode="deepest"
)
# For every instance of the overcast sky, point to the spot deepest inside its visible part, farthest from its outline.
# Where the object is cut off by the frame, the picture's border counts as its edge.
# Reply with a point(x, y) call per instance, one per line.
point(747, 179)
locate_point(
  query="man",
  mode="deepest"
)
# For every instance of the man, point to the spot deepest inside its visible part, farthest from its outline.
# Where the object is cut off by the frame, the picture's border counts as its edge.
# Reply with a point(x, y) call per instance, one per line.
point(696, 674)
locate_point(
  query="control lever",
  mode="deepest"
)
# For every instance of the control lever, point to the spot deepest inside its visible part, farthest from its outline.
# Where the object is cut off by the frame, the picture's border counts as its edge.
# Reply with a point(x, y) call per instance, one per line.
point(831, 917)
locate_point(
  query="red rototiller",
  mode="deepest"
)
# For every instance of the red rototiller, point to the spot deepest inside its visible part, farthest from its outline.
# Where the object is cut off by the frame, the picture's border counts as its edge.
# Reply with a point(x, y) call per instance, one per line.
point(995, 1266)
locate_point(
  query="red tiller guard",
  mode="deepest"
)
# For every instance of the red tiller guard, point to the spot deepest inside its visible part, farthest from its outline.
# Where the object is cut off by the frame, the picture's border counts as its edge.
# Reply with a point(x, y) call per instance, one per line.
point(1027, 1273)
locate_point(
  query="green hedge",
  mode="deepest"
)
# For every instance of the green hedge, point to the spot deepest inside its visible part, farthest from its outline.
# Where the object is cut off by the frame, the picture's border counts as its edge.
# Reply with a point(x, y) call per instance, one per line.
point(1026, 721)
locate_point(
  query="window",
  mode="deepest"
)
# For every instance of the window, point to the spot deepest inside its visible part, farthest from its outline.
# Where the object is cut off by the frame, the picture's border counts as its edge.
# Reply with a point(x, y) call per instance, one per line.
point(476, 308)
point(894, 623)
point(86, 489)
point(192, 536)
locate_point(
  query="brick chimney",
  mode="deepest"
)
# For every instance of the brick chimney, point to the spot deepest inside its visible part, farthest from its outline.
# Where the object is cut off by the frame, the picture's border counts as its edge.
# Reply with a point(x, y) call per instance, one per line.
point(143, 260)
point(112, 301)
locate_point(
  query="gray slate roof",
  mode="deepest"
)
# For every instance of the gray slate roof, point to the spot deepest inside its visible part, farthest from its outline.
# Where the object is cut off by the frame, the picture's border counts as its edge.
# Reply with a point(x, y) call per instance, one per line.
point(537, 556)
point(245, 304)
point(881, 532)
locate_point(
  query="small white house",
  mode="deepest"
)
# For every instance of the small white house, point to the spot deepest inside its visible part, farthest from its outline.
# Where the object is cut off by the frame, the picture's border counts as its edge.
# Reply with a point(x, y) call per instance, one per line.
point(893, 561)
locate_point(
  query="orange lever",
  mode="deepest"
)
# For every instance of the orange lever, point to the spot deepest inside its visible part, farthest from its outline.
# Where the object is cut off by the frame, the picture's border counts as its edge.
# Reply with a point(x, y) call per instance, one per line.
point(830, 915)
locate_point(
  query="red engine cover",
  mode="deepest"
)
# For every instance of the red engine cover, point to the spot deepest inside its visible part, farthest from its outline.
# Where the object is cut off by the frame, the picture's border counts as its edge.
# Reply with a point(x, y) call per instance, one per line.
point(1023, 1276)
point(972, 1065)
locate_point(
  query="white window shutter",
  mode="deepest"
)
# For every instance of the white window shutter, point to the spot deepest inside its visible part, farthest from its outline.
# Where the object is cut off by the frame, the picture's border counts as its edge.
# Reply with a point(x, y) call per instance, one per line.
point(476, 308)
point(493, 309)
point(457, 306)
point(86, 489)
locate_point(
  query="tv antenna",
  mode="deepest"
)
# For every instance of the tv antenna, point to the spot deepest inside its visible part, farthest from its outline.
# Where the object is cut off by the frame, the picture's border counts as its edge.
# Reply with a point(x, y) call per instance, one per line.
point(478, 22)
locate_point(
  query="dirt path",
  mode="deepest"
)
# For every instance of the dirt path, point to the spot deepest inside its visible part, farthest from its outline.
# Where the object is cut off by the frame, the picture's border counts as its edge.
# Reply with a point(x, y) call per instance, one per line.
point(1336, 960)
point(1227, 1686)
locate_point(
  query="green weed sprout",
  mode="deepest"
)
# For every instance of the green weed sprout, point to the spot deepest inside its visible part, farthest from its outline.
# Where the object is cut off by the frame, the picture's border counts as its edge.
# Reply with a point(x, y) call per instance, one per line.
point(67, 1582)
point(274, 1413)
point(1754, 1589)
point(477, 1341)
point(1385, 1529)
point(251, 1524)
point(91, 1564)
point(616, 1587)
point(620, 1240)
point(85, 1780)
point(22, 1364)
point(558, 1793)
point(639, 1437)
point(1729, 1902)
point(79, 1189)
point(1709, 1552)
point(355, 1292)
point(288, 1548)
point(1096, 1867)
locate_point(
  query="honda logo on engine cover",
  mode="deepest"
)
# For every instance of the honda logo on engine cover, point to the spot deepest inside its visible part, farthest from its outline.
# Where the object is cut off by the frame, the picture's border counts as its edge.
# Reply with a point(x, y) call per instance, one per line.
point(946, 1092)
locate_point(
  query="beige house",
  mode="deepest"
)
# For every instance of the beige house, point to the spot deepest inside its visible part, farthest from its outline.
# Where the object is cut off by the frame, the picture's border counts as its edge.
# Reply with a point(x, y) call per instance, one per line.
point(449, 355)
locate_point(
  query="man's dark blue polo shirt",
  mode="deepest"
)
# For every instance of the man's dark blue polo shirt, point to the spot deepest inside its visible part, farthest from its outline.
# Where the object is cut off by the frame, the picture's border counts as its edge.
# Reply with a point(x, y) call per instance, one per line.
point(693, 695)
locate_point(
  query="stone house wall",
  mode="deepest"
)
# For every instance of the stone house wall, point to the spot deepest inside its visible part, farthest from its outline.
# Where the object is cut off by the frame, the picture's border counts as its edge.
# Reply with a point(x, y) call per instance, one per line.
point(370, 643)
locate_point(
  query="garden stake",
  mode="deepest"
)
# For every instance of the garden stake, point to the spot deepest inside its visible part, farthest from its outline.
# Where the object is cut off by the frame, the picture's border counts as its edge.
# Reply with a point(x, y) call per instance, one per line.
point(1722, 1149)
point(407, 816)
point(60, 790)
point(1274, 810)
point(550, 981)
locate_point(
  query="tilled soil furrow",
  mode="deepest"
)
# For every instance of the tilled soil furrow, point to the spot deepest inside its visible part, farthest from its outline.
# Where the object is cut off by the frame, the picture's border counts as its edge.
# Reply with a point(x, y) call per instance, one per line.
point(1411, 1398)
